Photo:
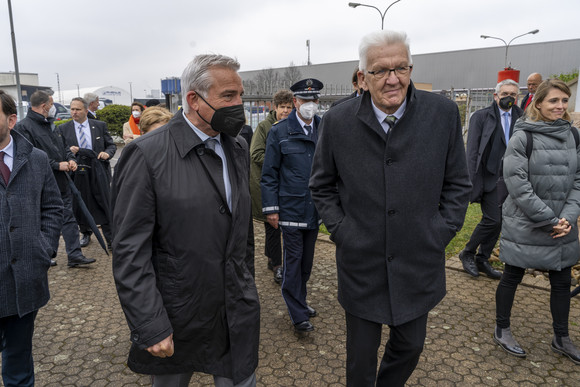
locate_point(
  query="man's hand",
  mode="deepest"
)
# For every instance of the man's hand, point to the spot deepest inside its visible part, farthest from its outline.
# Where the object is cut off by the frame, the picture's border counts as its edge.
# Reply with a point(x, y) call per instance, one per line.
point(64, 166)
point(273, 220)
point(74, 149)
point(162, 349)
point(103, 156)
point(72, 165)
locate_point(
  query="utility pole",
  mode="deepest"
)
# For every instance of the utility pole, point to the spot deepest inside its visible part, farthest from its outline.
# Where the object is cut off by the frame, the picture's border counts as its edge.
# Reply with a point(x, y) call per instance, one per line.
point(16, 71)
point(308, 45)
point(58, 87)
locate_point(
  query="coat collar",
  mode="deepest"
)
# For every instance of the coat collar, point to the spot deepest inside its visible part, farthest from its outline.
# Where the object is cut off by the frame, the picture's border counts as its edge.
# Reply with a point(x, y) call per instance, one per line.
point(294, 127)
point(366, 114)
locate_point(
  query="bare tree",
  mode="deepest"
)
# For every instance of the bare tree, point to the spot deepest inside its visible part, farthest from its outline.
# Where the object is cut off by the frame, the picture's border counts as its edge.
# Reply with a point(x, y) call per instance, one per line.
point(267, 81)
point(291, 75)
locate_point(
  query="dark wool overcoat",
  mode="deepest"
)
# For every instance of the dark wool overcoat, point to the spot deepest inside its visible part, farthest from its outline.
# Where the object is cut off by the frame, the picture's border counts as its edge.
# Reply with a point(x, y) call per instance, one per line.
point(179, 254)
point(30, 223)
point(392, 203)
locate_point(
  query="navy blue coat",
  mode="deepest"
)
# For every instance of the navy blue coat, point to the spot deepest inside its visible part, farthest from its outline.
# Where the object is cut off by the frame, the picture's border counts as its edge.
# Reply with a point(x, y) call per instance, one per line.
point(285, 174)
point(30, 223)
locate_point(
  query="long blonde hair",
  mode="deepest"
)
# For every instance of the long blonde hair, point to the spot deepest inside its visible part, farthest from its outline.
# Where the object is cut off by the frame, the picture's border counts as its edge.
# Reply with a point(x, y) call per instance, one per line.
point(532, 111)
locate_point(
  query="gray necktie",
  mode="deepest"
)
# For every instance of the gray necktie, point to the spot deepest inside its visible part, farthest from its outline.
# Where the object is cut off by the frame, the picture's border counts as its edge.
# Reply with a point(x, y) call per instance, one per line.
point(390, 120)
point(308, 130)
point(83, 138)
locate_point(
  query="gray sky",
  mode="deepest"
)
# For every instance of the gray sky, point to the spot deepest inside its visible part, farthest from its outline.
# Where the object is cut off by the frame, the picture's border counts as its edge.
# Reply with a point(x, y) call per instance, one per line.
point(111, 43)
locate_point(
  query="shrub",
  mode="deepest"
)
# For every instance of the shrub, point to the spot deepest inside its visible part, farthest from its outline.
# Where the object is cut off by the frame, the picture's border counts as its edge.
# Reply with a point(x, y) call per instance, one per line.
point(115, 116)
point(57, 123)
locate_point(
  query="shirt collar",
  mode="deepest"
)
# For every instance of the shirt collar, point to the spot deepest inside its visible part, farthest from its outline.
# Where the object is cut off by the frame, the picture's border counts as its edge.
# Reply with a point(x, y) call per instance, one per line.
point(202, 136)
point(381, 115)
point(302, 123)
point(85, 124)
point(9, 149)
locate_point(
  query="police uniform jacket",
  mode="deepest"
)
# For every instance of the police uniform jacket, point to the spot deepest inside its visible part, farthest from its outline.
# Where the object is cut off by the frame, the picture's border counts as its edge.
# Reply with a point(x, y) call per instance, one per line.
point(180, 255)
point(392, 203)
point(285, 174)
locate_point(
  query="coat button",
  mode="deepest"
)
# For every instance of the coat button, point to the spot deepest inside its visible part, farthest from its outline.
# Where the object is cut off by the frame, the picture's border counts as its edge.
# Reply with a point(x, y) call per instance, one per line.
point(136, 337)
point(12, 228)
point(13, 261)
point(391, 212)
point(389, 162)
point(222, 209)
point(390, 258)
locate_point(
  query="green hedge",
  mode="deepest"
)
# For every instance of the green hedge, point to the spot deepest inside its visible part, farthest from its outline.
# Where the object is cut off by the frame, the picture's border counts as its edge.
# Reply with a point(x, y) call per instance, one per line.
point(115, 116)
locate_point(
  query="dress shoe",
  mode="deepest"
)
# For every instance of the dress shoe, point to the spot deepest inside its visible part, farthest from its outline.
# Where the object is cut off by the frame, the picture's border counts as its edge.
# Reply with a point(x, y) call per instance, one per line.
point(278, 275)
point(311, 311)
point(468, 261)
point(563, 345)
point(484, 267)
point(52, 262)
point(270, 266)
point(304, 326)
point(504, 338)
point(80, 261)
point(85, 240)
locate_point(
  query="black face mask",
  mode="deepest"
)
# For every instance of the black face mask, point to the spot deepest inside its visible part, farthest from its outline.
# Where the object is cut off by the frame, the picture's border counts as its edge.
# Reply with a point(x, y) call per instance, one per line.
point(228, 120)
point(506, 102)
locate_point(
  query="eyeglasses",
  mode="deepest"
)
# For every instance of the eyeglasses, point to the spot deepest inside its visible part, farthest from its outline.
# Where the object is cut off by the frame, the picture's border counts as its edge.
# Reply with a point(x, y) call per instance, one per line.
point(399, 71)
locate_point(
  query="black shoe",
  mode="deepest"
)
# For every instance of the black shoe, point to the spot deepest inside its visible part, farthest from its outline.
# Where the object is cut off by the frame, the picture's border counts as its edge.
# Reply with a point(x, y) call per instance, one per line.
point(278, 275)
point(80, 261)
point(270, 266)
point(564, 346)
point(484, 267)
point(85, 240)
point(304, 326)
point(52, 262)
point(468, 261)
point(311, 311)
point(505, 339)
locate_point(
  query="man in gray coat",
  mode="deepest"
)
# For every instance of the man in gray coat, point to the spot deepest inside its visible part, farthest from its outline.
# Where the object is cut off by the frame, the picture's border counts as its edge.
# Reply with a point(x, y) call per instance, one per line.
point(181, 210)
point(390, 182)
point(30, 221)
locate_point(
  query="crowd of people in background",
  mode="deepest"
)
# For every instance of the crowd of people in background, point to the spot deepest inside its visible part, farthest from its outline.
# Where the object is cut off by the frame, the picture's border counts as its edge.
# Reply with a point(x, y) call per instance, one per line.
point(177, 212)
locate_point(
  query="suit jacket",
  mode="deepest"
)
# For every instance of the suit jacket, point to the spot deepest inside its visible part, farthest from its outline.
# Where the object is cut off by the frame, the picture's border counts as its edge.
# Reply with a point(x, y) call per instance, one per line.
point(524, 101)
point(31, 210)
point(179, 253)
point(91, 116)
point(39, 131)
point(486, 147)
point(371, 189)
point(100, 137)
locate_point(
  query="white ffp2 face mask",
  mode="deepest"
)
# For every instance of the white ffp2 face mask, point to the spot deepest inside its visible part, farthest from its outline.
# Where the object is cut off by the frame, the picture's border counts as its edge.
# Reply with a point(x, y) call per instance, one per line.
point(52, 111)
point(308, 110)
point(136, 113)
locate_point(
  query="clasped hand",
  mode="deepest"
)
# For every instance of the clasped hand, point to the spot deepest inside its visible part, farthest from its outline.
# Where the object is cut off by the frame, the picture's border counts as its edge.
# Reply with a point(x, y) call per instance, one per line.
point(561, 229)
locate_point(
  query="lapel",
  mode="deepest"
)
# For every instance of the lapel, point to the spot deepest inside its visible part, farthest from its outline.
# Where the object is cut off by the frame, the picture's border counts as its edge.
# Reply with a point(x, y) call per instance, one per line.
point(94, 135)
point(236, 157)
point(186, 140)
point(70, 134)
point(366, 114)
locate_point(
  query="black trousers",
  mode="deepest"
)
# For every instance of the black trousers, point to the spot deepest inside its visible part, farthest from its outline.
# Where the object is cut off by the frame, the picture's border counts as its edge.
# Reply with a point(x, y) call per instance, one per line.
point(559, 297)
point(401, 356)
point(273, 245)
point(106, 228)
point(487, 232)
point(16, 346)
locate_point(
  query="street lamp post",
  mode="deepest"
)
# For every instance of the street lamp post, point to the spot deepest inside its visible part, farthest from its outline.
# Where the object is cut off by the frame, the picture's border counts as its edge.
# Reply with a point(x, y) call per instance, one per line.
point(383, 14)
point(507, 45)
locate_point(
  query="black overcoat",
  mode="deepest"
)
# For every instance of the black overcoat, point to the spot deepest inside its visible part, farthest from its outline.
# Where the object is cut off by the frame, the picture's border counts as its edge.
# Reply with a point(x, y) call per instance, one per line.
point(179, 255)
point(391, 204)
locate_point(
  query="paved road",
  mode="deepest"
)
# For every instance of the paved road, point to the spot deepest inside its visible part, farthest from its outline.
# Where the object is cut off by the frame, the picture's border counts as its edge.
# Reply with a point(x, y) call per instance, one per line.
point(82, 339)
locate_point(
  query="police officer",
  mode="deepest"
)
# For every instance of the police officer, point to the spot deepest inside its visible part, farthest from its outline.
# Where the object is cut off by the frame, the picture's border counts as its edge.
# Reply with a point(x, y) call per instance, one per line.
point(286, 198)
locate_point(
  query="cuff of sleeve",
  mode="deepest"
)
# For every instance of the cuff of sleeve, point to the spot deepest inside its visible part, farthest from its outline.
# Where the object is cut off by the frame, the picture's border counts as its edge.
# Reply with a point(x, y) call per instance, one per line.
point(152, 333)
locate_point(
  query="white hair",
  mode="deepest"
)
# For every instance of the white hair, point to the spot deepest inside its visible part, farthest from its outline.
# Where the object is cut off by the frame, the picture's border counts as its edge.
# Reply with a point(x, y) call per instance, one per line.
point(196, 76)
point(379, 39)
point(90, 97)
point(506, 82)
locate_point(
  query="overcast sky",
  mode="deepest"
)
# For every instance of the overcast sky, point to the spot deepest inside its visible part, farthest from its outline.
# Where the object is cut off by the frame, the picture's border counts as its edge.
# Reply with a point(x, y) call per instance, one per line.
point(111, 43)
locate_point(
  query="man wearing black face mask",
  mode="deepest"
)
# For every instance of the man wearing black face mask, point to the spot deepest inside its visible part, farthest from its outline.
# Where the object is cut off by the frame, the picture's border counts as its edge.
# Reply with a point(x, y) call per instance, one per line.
point(489, 131)
point(181, 211)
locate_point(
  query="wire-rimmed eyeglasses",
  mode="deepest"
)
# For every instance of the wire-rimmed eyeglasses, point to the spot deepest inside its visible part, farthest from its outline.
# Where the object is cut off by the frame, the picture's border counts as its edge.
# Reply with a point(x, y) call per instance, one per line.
point(399, 71)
